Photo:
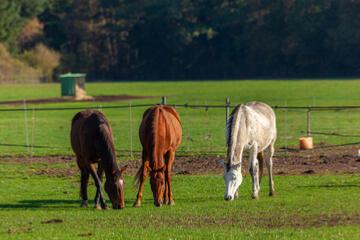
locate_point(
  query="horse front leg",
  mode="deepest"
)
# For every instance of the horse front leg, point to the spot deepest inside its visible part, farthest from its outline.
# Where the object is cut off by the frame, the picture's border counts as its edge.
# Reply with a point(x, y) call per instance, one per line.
point(269, 164)
point(166, 190)
point(254, 171)
point(170, 161)
point(100, 172)
point(98, 186)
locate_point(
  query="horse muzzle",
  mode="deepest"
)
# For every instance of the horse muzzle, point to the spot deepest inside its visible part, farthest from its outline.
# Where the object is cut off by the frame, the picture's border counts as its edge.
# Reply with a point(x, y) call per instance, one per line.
point(158, 204)
point(228, 198)
point(118, 206)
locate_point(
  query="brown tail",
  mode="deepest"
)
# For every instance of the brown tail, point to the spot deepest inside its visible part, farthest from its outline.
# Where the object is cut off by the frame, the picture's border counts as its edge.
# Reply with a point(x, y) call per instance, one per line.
point(141, 173)
point(260, 157)
point(155, 132)
point(138, 176)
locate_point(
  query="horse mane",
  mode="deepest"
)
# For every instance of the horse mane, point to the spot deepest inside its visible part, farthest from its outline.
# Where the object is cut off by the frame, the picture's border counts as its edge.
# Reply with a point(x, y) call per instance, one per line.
point(231, 130)
point(229, 125)
point(106, 134)
point(105, 143)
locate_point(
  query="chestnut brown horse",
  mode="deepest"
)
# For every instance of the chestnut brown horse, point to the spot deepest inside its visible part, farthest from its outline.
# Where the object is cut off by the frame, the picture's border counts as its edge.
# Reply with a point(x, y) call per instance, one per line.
point(160, 135)
point(92, 142)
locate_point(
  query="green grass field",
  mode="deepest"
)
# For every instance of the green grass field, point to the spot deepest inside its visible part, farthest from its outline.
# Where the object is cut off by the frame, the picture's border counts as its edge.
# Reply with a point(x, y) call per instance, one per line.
point(315, 207)
point(204, 131)
point(44, 206)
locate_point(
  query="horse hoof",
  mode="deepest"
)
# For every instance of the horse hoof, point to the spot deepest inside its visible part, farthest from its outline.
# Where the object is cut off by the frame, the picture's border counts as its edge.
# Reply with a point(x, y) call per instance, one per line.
point(105, 207)
point(272, 194)
point(98, 207)
point(84, 204)
point(171, 203)
point(158, 205)
point(254, 197)
point(136, 205)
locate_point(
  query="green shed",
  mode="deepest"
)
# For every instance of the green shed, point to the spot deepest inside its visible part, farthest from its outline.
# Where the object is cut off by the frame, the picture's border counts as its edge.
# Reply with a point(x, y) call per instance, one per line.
point(69, 81)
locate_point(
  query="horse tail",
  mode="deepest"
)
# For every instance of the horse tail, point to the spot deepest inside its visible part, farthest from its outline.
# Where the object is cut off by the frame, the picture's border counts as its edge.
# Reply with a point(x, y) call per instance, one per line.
point(104, 143)
point(138, 176)
point(260, 157)
point(155, 132)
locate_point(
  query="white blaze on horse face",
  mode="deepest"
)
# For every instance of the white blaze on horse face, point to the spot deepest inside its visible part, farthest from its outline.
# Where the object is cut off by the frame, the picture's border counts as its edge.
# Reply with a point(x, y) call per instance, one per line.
point(233, 179)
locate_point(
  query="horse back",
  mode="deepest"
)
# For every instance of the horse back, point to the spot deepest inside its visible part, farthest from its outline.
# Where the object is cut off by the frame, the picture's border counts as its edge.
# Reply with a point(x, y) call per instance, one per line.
point(87, 129)
point(261, 124)
point(161, 126)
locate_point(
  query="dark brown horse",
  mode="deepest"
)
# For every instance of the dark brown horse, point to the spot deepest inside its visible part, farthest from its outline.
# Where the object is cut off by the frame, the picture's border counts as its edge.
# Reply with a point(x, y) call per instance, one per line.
point(92, 142)
point(160, 135)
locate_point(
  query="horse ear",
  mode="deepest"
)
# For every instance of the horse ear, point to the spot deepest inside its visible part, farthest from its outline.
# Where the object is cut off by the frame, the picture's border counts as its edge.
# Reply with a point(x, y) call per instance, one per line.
point(122, 170)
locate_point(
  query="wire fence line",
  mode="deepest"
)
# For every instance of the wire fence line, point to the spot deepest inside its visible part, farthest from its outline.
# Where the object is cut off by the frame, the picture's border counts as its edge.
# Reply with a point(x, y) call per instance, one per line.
point(185, 105)
point(203, 127)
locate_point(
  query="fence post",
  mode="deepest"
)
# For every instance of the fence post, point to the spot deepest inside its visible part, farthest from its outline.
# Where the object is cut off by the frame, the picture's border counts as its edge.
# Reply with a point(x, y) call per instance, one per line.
point(308, 125)
point(163, 100)
point(227, 108)
point(130, 132)
point(26, 127)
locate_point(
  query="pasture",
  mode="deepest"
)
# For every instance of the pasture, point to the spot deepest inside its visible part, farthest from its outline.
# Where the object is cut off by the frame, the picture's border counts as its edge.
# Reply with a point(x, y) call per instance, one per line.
point(48, 131)
point(38, 203)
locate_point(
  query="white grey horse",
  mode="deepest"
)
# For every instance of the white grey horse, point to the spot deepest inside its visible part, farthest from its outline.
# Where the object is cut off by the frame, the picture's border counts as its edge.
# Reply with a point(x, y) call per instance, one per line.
point(252, 127)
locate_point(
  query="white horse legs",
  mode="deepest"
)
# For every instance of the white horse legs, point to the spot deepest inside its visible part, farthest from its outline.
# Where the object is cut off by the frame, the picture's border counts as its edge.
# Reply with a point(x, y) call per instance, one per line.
point(268, 159)
point(254, 172)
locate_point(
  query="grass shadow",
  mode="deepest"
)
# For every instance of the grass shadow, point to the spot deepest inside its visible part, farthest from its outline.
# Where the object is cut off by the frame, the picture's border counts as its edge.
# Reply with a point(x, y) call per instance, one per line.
point(33, 146)
point(53, 204)
point(45, 203)
point(336, 185)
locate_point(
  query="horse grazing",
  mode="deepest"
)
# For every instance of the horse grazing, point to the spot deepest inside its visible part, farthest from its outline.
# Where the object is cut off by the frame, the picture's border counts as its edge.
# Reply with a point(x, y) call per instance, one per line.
point(92, 142)
point(252, 127)
point(160, 135)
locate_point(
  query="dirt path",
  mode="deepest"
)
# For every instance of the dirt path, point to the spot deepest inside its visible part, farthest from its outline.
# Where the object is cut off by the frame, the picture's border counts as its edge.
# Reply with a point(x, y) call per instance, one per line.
point(339, 160)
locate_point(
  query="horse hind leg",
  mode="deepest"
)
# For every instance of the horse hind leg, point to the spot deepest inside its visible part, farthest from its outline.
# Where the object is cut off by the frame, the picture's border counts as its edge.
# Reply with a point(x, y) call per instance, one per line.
point(168, 188)
point(260, 157)
point(166, 191)
point(269, 164)
point(83, 187)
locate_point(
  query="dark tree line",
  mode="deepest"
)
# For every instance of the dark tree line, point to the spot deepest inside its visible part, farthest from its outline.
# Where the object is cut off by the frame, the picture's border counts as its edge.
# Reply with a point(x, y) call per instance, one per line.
point(203, 39)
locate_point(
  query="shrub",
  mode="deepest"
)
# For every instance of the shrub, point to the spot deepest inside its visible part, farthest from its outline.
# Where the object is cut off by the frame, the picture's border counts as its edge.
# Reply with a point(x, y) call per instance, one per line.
point(13, 70)
point(44, 59)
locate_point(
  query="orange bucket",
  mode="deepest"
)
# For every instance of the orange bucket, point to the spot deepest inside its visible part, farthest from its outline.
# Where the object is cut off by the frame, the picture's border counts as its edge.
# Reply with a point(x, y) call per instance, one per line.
point(306, 143)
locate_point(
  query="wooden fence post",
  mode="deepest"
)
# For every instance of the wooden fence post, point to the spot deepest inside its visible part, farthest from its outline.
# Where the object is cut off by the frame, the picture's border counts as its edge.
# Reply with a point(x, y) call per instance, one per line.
point(308, 120)
point(163, 100)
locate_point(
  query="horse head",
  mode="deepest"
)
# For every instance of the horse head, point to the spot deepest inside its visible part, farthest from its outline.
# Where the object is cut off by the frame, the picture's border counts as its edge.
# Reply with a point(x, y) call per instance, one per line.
point(114, 187)
point(157, 181)
point(232, 178)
